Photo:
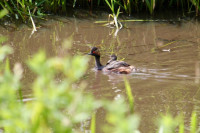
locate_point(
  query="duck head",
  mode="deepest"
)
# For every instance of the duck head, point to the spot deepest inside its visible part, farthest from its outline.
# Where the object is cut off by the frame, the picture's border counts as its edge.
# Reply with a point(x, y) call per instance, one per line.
point(94, 52)
point(113, 57)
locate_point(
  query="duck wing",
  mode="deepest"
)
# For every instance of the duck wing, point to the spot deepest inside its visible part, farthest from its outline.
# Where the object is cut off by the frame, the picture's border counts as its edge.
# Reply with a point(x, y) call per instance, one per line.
point(109, 62)
point(116, 64)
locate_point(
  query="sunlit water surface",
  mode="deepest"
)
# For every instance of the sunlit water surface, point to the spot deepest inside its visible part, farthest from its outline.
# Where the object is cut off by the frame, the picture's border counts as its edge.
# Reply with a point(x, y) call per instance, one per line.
point(167, 54)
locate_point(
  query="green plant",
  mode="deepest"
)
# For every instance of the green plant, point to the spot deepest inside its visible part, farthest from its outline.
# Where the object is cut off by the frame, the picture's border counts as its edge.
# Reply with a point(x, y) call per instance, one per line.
point(114, 14)
point(193, 126)
point(58, 105)
point(3, 13)
point(197, 6)
point(119, 121)
point(93, 123)
point(127, 6)
point(151, 5)
point(19, 8)
point(130, 96)
point(169, 124)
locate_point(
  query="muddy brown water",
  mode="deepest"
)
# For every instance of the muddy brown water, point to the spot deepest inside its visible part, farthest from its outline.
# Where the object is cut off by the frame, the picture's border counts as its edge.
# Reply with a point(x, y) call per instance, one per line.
point(168, 56)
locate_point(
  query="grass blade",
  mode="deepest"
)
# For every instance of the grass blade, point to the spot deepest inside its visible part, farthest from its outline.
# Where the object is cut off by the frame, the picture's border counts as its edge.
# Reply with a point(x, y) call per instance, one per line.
point(181, 126)
point(108, 4)
point(130, 96)
point(93, 123)
point(3, 12)
point(193, 126)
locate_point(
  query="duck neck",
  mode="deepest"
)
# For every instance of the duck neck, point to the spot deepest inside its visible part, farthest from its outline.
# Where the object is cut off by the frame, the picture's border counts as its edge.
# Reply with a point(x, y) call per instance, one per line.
point(98, 63)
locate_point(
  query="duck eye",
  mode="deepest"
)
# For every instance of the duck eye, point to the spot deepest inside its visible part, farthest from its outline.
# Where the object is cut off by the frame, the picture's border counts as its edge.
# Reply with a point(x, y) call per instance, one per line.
point(93, 52)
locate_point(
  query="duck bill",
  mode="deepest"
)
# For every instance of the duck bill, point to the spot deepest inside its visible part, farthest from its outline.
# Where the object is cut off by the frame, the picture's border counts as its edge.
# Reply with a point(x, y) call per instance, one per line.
point(89, 53)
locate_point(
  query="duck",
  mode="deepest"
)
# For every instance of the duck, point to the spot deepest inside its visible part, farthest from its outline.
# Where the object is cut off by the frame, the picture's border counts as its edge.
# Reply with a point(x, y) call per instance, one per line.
point(113, 57)
point(113, 65)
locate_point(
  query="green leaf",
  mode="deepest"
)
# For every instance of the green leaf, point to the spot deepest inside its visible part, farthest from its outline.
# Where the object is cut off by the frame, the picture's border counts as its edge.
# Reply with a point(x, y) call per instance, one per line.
point(3, 13)
point(193, 126)
point(130, 96)
point(108, 4)
point(4, 51)
point(93, 123)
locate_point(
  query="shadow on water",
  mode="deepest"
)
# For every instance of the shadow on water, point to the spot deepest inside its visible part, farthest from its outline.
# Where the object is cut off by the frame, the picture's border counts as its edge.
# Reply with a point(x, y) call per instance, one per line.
point(167, 54)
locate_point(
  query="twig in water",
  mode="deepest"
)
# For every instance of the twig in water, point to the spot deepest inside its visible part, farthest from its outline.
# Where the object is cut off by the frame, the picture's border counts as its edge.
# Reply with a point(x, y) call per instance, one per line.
point(34, 27)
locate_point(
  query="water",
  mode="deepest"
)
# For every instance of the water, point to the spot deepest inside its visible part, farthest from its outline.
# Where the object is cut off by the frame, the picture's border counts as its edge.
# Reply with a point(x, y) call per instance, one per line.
point(167, 54)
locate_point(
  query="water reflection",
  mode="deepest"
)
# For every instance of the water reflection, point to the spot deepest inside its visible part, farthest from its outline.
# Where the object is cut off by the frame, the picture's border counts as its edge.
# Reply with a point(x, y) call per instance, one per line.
point(197, 72)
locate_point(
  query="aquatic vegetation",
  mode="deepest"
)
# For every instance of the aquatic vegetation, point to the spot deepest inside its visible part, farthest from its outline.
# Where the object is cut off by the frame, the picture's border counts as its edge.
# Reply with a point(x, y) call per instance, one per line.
point(194, 125)
point(93, 123)
point(127, 6)
point(20, 9)
point(197, 6)
point(151, 5)
point(119, 121)
point(130, 96)
point(114, 15)
point(169, 124)
point(115, 22)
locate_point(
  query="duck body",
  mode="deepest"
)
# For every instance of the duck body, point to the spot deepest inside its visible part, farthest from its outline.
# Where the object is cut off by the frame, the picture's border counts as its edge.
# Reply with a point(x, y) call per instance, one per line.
point(120, 67)
point(113, 65)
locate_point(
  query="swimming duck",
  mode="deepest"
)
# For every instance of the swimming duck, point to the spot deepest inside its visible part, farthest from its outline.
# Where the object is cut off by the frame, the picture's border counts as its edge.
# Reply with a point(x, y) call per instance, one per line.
point(113, 57)
point(113, 65)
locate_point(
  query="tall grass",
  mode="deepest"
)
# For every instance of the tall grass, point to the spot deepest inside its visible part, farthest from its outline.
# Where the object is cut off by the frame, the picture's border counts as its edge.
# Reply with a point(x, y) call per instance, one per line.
point(115, 13)
point(194, 125)
point(129, 95)
point(3, 13)
point(93, 123)
point(151, 5)
point(197, 6)
point(19, 8)
point(169, 124)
